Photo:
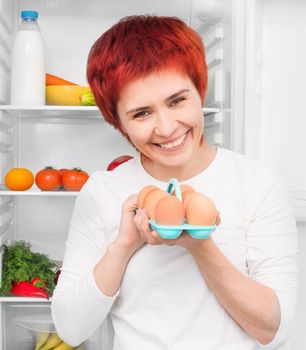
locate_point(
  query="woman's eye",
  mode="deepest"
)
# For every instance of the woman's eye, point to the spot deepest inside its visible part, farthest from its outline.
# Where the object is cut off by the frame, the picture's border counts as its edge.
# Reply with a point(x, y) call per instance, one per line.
point(177, 101)
point(140, 115)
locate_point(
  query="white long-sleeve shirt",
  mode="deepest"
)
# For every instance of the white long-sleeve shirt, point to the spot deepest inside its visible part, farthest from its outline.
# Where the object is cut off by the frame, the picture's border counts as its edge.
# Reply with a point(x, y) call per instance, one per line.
point(163, 301)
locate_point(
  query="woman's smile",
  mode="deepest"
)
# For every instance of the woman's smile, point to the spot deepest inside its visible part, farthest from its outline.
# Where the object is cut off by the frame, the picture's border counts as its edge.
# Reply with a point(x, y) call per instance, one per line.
point(175, 145)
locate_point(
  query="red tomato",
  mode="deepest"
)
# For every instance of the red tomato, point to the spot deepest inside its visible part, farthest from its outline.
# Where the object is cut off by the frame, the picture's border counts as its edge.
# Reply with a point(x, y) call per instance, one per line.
point(73, 180)
point(48, 179)
point(63, 171)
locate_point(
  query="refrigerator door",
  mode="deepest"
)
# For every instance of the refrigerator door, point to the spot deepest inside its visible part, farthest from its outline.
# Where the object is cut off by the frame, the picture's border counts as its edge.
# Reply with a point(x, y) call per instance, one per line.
point(275, 123)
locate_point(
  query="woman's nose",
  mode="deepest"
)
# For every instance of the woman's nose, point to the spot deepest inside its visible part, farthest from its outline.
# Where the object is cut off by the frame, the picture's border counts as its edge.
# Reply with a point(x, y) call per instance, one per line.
point(165, 124)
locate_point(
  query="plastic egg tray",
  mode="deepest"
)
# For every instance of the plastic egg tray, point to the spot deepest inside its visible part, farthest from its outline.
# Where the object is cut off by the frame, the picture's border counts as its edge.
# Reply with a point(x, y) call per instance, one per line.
point(172, 232)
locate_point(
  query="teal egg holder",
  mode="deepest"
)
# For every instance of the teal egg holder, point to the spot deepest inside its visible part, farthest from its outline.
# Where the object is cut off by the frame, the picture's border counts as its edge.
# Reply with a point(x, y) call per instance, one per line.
point(173, 232)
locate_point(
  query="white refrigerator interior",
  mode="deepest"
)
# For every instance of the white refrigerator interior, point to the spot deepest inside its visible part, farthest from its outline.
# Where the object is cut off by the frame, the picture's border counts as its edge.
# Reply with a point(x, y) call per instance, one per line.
point(255, 56)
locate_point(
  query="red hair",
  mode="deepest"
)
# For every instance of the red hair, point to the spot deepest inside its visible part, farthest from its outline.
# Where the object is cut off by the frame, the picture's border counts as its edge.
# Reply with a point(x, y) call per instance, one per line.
point(137, 46)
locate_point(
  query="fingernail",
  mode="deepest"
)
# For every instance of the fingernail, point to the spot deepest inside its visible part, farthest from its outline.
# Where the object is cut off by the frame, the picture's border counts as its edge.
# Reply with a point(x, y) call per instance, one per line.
point(155, 234)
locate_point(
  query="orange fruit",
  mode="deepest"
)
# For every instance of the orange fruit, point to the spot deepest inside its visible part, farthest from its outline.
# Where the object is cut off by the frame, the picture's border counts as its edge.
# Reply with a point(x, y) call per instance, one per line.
point(19, 179)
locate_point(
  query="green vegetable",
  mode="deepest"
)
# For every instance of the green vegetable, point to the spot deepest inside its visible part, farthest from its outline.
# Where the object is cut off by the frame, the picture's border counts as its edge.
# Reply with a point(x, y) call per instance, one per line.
point(21, 264)
point(88, 99)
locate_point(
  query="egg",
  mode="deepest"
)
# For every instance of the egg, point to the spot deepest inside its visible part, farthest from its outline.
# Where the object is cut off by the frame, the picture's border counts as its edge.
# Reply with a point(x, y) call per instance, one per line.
point(151, 199)
point(141, 195)
point(200, 210)
point(186, 190)
point(185, 197)
point(169, 210)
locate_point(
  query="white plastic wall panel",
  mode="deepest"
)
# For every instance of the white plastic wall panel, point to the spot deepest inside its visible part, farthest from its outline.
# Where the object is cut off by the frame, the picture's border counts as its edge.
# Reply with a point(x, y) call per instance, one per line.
point(7, 140)
point(6, 218)
point(6, 123)
point(6, 20)
point(87, 143)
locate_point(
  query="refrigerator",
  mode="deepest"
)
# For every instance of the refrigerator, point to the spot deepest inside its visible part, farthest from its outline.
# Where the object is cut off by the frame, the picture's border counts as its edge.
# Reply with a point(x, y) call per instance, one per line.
point(255, 105)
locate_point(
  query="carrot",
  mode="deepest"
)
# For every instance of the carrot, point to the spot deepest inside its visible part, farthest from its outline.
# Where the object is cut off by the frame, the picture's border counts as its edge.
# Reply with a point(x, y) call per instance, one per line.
point(54, 80)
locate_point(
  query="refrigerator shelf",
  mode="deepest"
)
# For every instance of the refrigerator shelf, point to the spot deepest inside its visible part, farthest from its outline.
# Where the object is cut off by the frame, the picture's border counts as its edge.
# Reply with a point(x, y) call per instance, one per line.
point(24, 300)
point(53, 111)
point(64, 111)
point(39, 193)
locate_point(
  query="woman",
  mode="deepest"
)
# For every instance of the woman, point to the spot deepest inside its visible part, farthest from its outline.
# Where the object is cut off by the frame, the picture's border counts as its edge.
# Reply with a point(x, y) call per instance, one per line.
point(234, 290)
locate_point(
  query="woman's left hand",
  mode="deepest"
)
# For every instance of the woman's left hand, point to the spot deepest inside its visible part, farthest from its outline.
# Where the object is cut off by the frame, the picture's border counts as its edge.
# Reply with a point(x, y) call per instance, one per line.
point(153, 238)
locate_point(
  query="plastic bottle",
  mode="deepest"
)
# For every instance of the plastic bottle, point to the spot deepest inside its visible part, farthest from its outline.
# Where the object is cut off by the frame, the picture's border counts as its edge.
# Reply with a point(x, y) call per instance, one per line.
point(28, 71)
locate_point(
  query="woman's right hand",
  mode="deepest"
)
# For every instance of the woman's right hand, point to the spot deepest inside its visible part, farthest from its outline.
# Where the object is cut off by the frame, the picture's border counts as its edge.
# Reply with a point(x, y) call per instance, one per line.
point(129, 237)
point(134, 229)
point(109, 271)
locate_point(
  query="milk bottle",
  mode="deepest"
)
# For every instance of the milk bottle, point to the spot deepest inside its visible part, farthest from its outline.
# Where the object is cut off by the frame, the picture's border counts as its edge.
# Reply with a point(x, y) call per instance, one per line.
point(28, 63)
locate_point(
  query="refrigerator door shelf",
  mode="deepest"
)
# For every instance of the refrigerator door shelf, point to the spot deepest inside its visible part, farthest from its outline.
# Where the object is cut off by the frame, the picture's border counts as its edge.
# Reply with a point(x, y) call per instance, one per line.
point(64, 111)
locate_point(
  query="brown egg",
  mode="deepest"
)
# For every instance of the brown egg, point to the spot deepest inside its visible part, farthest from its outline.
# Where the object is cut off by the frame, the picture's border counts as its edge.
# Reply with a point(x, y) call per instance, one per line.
point(169, 211)
point(185, 196)
point(141, 195)
point(200, 210)
point(186, 190)
point(151, 199)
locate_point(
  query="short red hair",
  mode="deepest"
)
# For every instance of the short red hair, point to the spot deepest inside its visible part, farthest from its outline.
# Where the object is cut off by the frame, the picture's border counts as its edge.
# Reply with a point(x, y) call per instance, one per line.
point(137, 46)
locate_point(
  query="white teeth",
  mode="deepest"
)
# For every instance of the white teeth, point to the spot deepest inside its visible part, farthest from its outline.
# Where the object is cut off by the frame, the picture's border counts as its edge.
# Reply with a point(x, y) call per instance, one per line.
point(175, 143)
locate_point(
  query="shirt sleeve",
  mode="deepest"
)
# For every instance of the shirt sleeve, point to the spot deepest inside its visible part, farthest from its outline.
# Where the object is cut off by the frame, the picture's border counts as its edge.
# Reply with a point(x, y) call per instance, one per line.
point(272, 248)
point(79, 306)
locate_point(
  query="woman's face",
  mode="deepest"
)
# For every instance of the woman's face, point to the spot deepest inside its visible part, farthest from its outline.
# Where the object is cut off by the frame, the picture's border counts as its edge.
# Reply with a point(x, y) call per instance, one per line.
point(162, 116)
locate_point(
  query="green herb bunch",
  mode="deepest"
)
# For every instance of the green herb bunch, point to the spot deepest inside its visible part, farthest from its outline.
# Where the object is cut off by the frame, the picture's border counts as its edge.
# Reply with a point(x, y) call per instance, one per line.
point(21, 264)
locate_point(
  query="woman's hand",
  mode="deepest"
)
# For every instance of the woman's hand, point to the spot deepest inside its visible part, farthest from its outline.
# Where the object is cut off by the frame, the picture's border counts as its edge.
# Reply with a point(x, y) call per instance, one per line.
point(129, 236)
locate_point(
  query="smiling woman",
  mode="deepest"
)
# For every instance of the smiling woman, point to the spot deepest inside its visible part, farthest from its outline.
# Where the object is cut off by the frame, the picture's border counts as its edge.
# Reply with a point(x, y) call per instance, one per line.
point(149, 78)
